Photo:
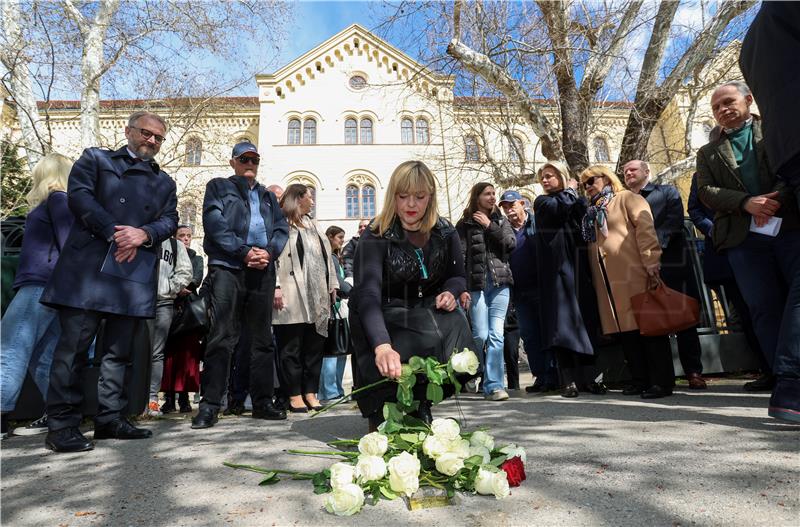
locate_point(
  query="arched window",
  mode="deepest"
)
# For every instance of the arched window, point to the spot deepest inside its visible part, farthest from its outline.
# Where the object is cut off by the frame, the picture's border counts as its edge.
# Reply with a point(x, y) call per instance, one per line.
point(471, 152)
point(352, 209)
point(309, 132)
point(188, 213)
point(600, 150)
point(366, 131)
point(294, 132)
point(407, 132)
point(367, 201)
point(423, 137)
point(194, 151)
point(516, 149)
point(350, 132)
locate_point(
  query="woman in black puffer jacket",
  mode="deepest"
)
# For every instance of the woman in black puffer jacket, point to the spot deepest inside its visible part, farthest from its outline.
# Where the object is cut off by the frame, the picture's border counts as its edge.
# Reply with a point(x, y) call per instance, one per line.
point(487, 241)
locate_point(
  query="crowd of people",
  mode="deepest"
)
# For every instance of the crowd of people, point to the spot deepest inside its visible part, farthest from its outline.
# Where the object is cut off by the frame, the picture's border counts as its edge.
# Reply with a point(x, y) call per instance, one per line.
point(103, 244)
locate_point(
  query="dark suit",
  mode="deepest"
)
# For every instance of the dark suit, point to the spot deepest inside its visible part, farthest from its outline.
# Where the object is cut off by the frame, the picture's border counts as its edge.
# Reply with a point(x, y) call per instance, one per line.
point(676, 264)
point(106, 189)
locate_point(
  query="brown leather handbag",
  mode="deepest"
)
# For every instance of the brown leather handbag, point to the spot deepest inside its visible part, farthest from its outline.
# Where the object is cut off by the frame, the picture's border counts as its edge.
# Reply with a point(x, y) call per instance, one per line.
point(662, 311)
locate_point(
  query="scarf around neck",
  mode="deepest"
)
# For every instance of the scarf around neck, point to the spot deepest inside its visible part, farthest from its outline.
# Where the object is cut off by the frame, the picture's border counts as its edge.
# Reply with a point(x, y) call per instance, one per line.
point(596, 215)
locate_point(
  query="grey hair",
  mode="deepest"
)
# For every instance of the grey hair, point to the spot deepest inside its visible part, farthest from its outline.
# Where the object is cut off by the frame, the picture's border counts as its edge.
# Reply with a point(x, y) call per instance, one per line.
point(135, 116)
point(740, 86)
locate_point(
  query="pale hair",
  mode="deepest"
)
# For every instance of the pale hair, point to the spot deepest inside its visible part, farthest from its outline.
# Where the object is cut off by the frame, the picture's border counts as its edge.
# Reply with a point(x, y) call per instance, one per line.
point(600, 170)
point(408, 178)
point(740, 86)
point(290, 203)
point(135, 116)
point(50, 174)
point(561, 172)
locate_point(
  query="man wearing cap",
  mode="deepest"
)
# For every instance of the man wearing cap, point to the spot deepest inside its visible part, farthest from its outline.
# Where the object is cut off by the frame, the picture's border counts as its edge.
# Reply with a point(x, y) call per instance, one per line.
point(245, 231)
point(526, 293)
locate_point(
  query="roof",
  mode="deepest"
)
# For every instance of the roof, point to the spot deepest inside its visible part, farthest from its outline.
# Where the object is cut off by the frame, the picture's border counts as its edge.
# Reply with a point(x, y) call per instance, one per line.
point(110, 104)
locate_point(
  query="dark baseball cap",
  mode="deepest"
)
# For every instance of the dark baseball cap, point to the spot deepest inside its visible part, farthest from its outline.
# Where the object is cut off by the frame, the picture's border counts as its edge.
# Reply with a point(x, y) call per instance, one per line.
point(243, 148)
point(510, 196)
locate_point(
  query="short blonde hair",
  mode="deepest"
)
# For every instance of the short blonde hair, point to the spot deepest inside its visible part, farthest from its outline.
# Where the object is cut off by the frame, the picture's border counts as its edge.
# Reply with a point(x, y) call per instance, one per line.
point(561, 171)
point(50, 174)
point(600, 170)
point(409, 177)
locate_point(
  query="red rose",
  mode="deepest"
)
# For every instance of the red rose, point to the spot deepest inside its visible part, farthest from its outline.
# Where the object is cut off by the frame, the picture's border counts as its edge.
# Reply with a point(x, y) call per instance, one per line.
point(515, 471)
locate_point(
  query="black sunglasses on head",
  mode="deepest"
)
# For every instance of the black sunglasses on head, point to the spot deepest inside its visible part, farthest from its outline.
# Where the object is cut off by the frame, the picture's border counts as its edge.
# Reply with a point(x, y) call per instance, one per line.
point(248, 159)
point(589, 182)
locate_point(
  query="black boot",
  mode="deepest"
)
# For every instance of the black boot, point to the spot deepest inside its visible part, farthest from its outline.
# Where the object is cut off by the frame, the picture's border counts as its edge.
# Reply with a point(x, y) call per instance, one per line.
point(423, 413)
point(169, 403)
point(183, 403)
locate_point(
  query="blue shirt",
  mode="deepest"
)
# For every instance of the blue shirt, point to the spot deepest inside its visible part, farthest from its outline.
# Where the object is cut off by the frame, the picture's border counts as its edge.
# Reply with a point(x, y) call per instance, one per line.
point(257, 232)
point(523, 263)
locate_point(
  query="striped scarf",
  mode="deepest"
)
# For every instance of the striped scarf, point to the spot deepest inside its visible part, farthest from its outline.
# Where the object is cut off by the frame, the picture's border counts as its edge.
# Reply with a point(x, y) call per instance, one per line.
point(596, 215)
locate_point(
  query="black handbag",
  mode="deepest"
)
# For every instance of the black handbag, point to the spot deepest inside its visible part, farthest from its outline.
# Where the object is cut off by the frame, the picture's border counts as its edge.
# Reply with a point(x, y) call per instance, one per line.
point(191, 314)
point(338, 342)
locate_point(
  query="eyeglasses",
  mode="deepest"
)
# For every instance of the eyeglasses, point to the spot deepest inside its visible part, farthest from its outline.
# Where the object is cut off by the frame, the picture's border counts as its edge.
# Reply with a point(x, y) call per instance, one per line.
point(248, 159)
point(589, 182)
point(147, 134)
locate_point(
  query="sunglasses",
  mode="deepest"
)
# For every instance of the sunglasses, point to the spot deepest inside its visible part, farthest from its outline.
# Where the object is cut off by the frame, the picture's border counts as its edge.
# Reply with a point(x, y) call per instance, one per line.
point(589, 182)
point(147, 134)
point(248, 159)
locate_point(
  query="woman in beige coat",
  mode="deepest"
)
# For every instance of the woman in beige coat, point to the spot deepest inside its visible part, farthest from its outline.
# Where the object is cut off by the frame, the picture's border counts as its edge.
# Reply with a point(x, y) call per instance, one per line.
point(304, 291)
point(623, 253)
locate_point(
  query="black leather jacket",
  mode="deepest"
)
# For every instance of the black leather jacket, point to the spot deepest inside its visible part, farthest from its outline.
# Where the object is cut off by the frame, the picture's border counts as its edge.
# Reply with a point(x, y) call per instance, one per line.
point(487, 249)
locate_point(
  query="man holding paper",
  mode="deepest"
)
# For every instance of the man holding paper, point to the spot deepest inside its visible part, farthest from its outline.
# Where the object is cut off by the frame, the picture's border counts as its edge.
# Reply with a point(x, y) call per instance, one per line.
point(124, 206)
point(756, 218)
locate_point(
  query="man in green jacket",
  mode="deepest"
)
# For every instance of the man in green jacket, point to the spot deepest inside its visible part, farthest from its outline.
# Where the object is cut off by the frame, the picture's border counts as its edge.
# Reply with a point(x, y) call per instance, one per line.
point(756, 221)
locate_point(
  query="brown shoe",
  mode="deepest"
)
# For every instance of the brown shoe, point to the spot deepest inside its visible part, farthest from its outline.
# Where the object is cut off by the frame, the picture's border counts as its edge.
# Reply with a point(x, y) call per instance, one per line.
point(696, 381)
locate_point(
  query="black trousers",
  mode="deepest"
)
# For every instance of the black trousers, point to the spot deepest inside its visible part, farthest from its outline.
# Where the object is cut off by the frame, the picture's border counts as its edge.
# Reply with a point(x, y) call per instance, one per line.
point(575, 367)
point(511, 356)
point(649, 360)
point(237, 297)
point(71, 355)
point(300, 350)
point(676, 271)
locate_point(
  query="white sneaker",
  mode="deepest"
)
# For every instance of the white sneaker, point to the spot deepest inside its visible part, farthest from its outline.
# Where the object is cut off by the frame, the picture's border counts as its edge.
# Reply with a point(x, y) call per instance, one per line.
point(36, 427)
point(497, 395)
point(153, 409)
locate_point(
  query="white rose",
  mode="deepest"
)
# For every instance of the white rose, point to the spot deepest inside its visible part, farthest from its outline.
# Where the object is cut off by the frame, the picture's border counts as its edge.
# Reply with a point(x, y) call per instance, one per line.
point(370, 468)
point(433, 447)
point(449, 464)
point(373, 444)
point(342, 474)
point(345, 500)
point(465, 362)
point(445, 429)
point(514, 451)
point(481, 438)
point(482, 451)
point(492, 481)
point(404, 473)
point(459, 447)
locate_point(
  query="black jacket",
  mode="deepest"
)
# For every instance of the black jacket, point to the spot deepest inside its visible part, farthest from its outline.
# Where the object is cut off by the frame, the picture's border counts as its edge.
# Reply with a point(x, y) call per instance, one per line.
point(667, 207)
point(487, 249)
point(226, 220)
point(348, 254)
point(197, 269)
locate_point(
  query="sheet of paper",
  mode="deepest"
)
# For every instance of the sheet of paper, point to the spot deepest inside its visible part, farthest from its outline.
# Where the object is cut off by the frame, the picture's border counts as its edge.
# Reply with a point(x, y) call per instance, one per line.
point(772, 227)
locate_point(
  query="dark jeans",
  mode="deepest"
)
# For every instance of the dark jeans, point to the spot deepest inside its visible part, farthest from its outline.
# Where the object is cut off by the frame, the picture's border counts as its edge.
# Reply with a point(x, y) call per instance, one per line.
point(65, 395)
point(300, 353)
point(542, 362)
point(575, 367)
point(511, 356)
point(239, 384)
point(649, 360)
point(238, 297)
point(764, 267)
point(742, 312)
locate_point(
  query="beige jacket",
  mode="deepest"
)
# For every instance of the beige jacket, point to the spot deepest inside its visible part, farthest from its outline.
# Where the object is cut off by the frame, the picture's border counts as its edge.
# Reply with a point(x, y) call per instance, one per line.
point(631, 246)
point(297, 287)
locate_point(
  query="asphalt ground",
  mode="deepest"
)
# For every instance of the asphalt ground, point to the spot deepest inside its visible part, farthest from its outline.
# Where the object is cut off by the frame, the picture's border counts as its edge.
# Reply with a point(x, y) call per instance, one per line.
point(698, 458)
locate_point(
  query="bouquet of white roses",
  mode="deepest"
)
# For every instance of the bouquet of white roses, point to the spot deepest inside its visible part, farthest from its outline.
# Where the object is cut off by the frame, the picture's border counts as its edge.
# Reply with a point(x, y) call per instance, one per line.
point(406, 454)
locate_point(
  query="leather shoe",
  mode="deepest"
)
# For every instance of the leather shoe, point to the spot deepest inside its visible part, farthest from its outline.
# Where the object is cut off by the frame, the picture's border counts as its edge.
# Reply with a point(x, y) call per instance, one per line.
point(298, 409)
point(120, 428)
point(423, 413)
point(269, 412)
point(205, 418)
point(764, 383)
point(67, 440)
point(656, 392)
point(632, 389)
point(596, 388)
point(234, 408)
point(696, 381)
point(570, 391)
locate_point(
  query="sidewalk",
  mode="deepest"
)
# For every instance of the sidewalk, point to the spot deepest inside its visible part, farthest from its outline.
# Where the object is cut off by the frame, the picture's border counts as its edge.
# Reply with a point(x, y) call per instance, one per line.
point(697, 458)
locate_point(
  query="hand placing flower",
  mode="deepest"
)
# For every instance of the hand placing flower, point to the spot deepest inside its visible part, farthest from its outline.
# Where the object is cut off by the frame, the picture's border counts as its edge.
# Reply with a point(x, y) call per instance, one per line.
point(465, 362)
point(345, 500)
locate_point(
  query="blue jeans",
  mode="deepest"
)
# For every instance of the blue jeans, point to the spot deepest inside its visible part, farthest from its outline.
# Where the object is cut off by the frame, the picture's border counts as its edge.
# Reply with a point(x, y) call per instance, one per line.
point(330, 379)
point(30, 332)
point(488, 314)
point(765, 267)
point(541, 361)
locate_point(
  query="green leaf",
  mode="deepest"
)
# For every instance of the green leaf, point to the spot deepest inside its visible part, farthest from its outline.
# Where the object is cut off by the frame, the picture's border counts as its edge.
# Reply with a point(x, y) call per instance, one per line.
point(409, 381)
point(320, 489)
point(319, 479)
point(473, 461)
point(388, 494)
point(497, 461)
point(410, 438)
point(434, 393)
point(390, 427)
point(270, 478)
point(417, 363)
point(404, 395)
point(391, 412)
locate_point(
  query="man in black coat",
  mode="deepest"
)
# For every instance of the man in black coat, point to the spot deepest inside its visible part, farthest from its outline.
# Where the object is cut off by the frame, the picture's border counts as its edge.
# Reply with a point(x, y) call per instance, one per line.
point(245, 232)
point(124, 206)
point(676, 265)
point(349, 251)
